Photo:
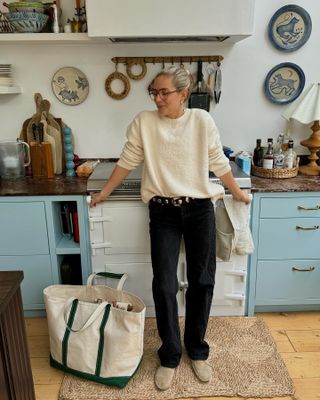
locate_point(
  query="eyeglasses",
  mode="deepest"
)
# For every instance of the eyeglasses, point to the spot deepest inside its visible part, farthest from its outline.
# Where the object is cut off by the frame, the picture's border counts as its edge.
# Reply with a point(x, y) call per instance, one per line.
point(163, 93)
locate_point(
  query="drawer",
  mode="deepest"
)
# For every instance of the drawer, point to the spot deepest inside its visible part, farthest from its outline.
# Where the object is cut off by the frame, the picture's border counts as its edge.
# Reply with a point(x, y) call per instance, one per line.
point(290, 207)
point(278, 283)
point(23, 229)
point(282, 238)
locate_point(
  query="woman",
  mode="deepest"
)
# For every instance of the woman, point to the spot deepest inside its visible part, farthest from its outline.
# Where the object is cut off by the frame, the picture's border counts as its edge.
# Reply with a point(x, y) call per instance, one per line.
point(178, 147)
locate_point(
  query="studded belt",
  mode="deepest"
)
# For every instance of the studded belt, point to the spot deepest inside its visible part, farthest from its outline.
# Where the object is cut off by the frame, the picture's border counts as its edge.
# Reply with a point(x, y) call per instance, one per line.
point(174, 201)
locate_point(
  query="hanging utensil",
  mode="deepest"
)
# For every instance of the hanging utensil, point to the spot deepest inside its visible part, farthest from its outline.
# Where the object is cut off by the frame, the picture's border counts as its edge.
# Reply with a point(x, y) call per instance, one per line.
point(199, 99)
point(217, 84)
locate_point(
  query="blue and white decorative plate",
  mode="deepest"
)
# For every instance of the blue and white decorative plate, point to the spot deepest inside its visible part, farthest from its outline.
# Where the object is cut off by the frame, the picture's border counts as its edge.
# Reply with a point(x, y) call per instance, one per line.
point(284, 83)
point(290, 28)
point(70, 86)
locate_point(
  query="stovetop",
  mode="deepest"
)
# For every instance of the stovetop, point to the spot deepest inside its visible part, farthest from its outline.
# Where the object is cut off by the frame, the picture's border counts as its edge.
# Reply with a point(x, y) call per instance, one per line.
point(131, 185)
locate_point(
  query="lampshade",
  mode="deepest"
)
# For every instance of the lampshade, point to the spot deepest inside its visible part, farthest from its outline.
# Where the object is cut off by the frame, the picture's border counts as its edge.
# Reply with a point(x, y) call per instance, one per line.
point(306, 108)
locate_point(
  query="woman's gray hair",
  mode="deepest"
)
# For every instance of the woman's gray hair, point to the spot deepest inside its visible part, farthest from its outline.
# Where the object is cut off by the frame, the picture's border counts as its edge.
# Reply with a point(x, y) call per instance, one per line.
point(181, 78)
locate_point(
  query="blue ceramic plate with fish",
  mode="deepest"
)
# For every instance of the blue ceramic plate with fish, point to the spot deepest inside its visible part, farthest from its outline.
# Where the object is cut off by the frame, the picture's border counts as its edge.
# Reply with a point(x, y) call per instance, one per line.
point(284, 83)
point(290, 28)
point(70, 86)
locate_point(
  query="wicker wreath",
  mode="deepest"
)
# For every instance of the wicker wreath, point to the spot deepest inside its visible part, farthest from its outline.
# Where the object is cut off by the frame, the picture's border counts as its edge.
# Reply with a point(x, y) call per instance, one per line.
point(142, 73)
point(126, 89)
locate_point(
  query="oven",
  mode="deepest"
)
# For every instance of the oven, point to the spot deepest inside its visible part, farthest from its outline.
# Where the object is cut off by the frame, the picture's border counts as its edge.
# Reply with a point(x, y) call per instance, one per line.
point(119, 236)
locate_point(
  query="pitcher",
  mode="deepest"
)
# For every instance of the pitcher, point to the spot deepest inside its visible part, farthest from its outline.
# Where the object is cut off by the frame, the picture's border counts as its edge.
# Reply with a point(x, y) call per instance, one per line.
point(14, 157)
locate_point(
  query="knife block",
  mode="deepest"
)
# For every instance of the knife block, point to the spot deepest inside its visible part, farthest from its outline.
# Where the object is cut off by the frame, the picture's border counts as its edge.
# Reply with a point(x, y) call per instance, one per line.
point(41, 159)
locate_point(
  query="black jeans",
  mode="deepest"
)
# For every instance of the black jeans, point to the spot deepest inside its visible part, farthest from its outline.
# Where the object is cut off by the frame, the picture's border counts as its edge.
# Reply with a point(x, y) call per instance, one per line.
point(195, 222)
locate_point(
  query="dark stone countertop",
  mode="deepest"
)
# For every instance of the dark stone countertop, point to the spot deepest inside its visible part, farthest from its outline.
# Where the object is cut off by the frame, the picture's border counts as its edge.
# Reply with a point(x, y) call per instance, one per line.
point(63, 186)
point(300, 183)
point(60, 185)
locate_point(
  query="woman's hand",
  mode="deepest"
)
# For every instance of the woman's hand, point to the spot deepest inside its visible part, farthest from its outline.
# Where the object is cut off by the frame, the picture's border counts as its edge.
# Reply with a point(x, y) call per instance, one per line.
point(242, 196)
point(231, 184)
point(97, 198)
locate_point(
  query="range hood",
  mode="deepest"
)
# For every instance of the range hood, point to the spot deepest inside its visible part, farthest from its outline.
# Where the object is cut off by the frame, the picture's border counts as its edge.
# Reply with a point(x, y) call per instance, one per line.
point(170, 21)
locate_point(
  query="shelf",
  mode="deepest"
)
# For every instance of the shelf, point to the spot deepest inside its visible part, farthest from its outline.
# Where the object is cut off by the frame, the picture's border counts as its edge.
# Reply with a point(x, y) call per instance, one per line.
point(10, 90)
point(43, 38)
point(67, 246)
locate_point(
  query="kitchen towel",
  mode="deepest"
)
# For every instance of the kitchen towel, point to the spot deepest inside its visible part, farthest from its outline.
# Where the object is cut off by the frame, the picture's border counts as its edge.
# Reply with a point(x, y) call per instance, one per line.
point(232, 228)
point(239, 213)
point(243, 356)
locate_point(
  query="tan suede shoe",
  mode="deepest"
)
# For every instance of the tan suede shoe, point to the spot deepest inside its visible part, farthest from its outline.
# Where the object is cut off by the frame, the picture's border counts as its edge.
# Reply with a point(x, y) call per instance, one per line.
point(202, 369)
point(163, 377)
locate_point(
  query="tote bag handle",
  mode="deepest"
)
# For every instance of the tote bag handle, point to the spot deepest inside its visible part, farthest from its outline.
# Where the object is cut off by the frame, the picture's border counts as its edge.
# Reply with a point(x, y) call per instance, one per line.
point(122, 278)
point(73, 303)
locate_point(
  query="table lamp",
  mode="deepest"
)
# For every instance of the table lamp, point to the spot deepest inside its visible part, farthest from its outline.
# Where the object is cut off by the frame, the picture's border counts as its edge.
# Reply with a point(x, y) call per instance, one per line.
point(307, 110)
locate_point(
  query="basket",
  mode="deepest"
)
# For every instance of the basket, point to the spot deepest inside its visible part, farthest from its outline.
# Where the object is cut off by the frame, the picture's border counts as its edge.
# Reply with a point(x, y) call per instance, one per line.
point(5, 26)
point(275, 173)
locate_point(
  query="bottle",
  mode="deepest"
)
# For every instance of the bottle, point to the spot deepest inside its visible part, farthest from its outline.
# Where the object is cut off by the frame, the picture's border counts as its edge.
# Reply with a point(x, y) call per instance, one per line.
point(290, 156)
point(268, 157)
point(258, 154)
point(278, 156)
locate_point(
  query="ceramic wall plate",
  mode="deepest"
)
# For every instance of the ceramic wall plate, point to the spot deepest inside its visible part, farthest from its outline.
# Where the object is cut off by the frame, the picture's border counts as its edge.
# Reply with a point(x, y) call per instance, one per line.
point(290, 28)
point(284, 83)
point(70, 86)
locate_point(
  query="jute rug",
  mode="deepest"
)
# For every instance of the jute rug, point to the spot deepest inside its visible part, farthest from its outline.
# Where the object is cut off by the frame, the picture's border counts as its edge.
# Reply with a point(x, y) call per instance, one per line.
point(243, 356)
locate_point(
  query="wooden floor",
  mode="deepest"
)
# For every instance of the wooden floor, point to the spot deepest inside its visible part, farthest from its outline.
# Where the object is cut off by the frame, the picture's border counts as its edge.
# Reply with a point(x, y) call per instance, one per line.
point(297, 336)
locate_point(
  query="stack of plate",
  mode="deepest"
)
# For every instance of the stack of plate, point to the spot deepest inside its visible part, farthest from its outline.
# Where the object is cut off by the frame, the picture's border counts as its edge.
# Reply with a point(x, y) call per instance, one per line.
point(5, 75)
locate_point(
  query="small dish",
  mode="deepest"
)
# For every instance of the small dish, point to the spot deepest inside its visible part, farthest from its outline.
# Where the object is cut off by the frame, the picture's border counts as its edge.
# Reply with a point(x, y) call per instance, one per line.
point(70, 86)
point(289, 28)
point(284, 83)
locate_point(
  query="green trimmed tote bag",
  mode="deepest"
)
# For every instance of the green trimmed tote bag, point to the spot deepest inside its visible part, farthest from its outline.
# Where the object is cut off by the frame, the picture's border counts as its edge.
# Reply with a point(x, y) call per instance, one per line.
point(96, 332)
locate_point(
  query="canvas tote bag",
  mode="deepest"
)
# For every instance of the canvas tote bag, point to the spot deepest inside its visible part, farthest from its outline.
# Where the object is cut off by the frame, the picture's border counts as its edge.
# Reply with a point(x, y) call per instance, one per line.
point(90, 336)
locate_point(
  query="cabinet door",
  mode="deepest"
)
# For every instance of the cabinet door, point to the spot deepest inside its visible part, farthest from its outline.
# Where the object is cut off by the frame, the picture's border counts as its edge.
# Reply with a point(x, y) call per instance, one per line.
point(23, 229)
point(120, 228)
point(37, 276)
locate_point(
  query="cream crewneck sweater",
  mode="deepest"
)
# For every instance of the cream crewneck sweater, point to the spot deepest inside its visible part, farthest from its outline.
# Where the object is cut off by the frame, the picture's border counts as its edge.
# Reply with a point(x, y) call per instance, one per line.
point(177, 154)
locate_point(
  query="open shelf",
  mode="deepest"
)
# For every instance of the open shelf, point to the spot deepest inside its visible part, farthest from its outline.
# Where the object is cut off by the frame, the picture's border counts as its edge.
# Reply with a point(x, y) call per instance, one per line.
point(10, 90)
point(67, 246)
point(14, 38)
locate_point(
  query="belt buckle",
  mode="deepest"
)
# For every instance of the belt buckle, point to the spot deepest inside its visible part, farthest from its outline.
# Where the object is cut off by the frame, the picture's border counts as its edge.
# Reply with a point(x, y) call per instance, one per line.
point(176, 202)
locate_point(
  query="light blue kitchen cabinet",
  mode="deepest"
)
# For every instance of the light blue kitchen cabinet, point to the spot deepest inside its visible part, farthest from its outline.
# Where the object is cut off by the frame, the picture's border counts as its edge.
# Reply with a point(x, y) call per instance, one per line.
point(32, 239)
point(284, 270)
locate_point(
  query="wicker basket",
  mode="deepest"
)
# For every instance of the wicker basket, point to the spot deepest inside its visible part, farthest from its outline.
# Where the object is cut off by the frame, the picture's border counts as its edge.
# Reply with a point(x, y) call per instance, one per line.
point(275, 173)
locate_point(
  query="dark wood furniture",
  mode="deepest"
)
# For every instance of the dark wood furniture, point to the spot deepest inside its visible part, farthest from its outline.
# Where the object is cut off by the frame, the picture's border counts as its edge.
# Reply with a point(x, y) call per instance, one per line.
point(16, 381)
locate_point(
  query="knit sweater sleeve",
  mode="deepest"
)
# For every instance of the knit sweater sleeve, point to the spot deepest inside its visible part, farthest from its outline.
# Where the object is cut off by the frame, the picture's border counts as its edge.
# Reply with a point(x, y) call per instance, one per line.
point(132, 153)
point(218, 162)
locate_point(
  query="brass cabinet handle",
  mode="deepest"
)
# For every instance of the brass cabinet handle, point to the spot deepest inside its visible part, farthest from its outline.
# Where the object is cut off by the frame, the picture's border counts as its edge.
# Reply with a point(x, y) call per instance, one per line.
point(317, 207)
point(303, 269)
point(307, 228)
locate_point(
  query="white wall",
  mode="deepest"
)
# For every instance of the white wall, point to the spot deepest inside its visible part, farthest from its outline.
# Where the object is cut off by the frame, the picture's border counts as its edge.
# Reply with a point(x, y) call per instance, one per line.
point(99, 123)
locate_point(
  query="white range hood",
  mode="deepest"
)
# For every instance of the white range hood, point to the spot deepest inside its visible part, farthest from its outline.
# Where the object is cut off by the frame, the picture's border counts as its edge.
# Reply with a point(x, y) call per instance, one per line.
point(165, 21)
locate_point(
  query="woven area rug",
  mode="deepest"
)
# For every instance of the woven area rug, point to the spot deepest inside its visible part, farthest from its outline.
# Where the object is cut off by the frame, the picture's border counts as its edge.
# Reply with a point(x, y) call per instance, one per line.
point(243, 356)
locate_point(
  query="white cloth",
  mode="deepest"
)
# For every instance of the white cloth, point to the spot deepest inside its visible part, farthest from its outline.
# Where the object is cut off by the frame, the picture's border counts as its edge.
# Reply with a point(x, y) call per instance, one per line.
point(232, 228)
point(177, 154)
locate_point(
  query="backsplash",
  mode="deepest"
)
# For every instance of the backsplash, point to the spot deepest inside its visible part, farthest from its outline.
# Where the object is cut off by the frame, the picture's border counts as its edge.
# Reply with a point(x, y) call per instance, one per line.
point(99, 123)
